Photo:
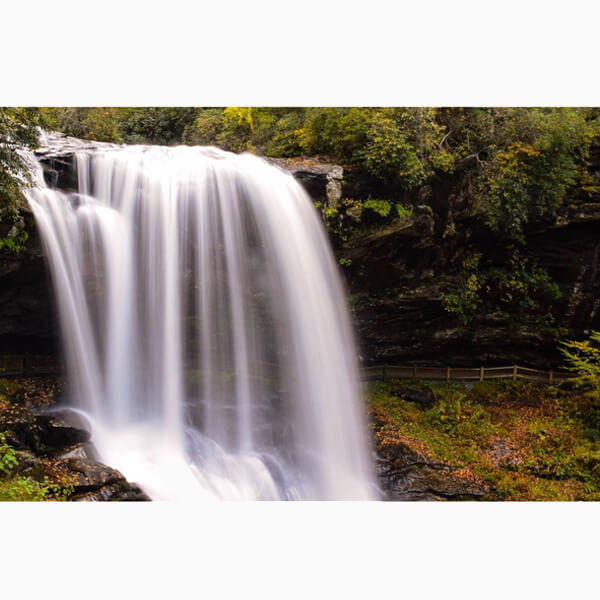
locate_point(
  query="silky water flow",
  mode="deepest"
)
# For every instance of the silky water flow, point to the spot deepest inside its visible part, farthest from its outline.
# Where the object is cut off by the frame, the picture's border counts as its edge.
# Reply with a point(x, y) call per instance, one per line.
point(204, 325)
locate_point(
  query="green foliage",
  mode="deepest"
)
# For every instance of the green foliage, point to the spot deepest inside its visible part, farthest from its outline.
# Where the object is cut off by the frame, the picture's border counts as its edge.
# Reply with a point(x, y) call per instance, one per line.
point(69, 121)
point(537, 156)
point(381, 207)
point(583, 357)
point(457, 416)
point(204, 128)
point(8, 460)
point(389, 154)
point(402, 211)
point(267, 131)
point(149, 125)
point(510, 167)
point(153, 125)
point(465, 300)
point(16, 488)
point(56, 484)
point(22, 489)
point(15, 242)
point(515, 164)
point(18, 129)
point(518, 286)
point(339, 132)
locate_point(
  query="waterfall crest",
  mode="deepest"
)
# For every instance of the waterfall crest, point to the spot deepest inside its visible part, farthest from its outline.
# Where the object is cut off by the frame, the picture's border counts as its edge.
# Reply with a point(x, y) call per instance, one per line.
point(204, 326)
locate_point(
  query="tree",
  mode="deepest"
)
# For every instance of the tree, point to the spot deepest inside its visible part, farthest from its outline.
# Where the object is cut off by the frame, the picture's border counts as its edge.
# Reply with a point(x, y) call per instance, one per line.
point(18, 129)
point(583, 357)
point(538, 155)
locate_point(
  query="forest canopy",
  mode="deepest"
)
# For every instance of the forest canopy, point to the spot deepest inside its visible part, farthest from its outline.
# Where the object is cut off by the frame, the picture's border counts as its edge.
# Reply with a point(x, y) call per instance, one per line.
point(513, 165)
point(516, 164)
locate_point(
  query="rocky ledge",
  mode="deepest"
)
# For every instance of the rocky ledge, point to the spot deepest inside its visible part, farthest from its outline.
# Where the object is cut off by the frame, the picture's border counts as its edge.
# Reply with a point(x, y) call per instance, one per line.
point(405, 473)
point(53, 449)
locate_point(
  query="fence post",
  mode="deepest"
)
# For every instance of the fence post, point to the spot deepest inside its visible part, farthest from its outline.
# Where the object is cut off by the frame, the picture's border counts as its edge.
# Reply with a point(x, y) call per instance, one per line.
point(481, 373)
point(514, 372)
point(447, 373)
point(384, 371)
point(550, 377)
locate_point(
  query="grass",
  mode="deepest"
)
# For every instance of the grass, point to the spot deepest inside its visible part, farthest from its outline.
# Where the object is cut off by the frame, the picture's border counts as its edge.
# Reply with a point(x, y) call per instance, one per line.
point(526, 441)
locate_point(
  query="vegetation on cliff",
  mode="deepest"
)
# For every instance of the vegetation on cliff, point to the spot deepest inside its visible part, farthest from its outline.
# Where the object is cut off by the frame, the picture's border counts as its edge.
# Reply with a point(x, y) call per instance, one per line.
point(18, 129)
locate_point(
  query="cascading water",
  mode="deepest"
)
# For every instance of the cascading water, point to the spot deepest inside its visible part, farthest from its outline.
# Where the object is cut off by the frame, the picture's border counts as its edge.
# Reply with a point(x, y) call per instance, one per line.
point(204, 326)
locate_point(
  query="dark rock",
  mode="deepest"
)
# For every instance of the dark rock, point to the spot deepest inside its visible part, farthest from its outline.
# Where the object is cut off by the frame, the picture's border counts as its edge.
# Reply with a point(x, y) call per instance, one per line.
point(80, 451)
point(405, 474)
point(28, 316)
point(41, 434)
point(22, 434)
point(92, 475)
point(419, 394)
point(29, 465)
point(97, 482)
point(411, 476)
point(119, 491)
point(55, 434)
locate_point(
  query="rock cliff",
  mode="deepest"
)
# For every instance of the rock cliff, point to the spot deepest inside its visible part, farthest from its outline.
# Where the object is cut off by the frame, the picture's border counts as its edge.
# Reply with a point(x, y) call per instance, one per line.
point(397, 272)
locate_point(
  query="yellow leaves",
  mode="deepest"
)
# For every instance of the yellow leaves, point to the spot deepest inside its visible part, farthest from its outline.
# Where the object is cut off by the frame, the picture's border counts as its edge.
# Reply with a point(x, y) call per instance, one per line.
point(472, 287)
point(521, 148)
point(242, 115)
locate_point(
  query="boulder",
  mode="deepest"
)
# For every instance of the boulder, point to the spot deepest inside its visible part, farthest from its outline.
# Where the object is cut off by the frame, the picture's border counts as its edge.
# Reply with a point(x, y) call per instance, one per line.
point(97, 482)
point(55, 434)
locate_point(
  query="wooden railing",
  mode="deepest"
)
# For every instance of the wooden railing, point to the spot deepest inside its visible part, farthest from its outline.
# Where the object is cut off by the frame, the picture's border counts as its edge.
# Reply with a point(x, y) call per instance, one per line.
point(29, 365)
point(514, 372)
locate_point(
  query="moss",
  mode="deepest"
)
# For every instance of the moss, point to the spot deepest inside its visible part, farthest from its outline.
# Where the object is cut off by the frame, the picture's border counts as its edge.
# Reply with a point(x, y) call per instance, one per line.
point(526, 441)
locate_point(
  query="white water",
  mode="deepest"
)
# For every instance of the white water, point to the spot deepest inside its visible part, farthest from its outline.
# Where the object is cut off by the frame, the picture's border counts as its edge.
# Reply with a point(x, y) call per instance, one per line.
point(204, 326)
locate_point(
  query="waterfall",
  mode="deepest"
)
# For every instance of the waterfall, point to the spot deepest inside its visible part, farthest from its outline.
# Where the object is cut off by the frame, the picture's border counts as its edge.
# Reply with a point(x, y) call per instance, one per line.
point(205, 330)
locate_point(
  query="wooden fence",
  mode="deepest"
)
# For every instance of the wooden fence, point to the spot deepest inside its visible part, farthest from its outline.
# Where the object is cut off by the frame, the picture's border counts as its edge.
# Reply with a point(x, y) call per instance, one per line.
point(31, 365)
point(514, 372)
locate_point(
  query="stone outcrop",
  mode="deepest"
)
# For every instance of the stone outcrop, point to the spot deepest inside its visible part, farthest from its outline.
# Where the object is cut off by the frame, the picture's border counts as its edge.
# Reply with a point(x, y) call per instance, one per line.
point(398, 276)
point(57, 442)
